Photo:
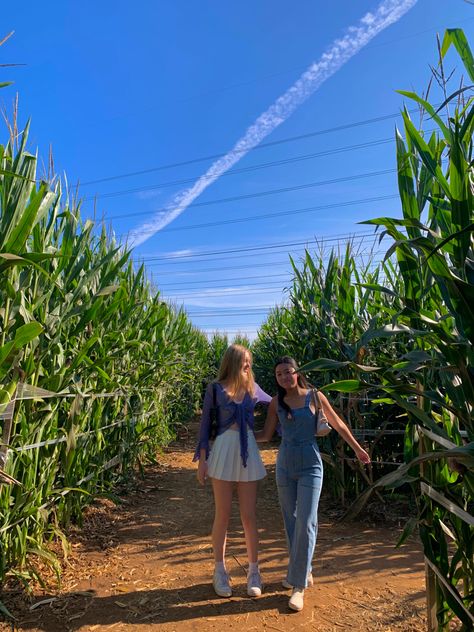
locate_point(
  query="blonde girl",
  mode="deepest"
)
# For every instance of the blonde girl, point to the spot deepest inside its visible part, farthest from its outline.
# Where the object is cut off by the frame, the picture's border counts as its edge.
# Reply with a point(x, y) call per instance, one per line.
point(233, 461)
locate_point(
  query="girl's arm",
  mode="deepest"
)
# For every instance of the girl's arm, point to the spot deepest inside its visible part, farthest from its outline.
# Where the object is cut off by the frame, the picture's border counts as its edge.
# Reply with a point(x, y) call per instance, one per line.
point(202, 467)
point(343, 429)
point(270, 422)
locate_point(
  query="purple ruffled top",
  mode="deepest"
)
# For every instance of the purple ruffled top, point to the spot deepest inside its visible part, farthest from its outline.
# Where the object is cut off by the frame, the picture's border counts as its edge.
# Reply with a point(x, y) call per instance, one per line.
point(229, 412)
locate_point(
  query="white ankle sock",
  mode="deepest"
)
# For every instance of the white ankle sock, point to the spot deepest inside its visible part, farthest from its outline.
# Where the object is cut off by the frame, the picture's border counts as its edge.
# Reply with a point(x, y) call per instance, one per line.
point(220, 566)
point(253, 566)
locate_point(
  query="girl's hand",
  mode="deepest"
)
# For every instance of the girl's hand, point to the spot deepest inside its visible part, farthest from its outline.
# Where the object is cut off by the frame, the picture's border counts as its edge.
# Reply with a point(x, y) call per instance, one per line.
point(202, 471)
point(362, 455)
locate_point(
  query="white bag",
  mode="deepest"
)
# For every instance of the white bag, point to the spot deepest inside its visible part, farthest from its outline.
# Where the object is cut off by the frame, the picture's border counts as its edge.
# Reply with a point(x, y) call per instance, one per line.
point(322, 426)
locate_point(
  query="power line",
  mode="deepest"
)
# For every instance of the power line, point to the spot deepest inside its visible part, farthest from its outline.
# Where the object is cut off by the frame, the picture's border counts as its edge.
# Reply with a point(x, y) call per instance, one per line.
point(245, 331)
point(243, 267)
point(249, 312)
point(374, 262)
point(231, 286)
point(308, 209)
point(288, 70)
point(217, 287)
point(216, 259)
point(260, 255)
point(323, 240)
point(239, 278)
point(369, 174)
point(234, 312)
point(250, 168)
point(237, 152)
point(248, 289)
point(224, 294)
point(228, 332)
point(173, 296)
point(250, 265)
point(237, 312)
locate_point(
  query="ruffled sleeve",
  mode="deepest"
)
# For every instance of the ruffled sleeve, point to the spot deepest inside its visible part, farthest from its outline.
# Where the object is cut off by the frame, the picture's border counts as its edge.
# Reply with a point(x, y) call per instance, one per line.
point(261, 396)
point(205, 426)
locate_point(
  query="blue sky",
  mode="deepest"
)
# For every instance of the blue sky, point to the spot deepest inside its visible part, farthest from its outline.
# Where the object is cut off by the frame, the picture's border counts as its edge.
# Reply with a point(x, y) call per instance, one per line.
point(125, 91)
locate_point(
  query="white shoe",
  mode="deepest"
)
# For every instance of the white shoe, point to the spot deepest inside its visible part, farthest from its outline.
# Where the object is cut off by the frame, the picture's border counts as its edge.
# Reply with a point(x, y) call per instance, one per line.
point(297, 599)
point(310, 581)
point(221, 584)
point(254, 584)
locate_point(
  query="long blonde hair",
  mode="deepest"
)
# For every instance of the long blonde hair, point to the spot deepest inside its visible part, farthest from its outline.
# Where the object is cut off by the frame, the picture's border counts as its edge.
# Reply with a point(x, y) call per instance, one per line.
point(230, 371)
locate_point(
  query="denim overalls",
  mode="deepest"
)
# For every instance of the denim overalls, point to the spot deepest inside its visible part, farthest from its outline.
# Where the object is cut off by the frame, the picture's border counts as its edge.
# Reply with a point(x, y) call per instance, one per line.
point(299, 477)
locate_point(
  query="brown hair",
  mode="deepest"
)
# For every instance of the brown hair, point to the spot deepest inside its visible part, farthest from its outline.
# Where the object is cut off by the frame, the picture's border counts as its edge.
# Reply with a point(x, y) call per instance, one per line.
point(301, 381)
point(230, 371)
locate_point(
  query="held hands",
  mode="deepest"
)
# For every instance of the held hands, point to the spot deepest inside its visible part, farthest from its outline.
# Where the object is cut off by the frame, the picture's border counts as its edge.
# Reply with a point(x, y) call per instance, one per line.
point(202, 471)
point(362, 455)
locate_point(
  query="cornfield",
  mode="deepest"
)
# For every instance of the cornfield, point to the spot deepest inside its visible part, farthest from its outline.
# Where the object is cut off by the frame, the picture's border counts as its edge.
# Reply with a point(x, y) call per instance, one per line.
point(400, 336)
point(96, 370)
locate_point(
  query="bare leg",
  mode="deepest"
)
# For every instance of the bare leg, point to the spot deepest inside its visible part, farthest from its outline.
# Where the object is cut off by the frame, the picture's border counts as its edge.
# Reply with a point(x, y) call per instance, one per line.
point(223, 506)
point(248, 514)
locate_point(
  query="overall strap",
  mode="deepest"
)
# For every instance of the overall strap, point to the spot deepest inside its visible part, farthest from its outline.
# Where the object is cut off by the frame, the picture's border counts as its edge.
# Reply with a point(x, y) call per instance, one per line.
point(307, 399)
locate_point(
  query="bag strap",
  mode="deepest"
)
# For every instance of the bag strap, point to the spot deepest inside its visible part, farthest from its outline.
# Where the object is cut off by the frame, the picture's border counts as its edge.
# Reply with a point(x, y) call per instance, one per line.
point(214, 390)
point(316, 400)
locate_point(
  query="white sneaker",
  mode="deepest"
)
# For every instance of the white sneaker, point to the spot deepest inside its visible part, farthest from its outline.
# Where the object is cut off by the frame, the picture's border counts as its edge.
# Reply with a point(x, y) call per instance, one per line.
point(297, 599)
point(221, 584)
point(286, 584)
point(254, 584)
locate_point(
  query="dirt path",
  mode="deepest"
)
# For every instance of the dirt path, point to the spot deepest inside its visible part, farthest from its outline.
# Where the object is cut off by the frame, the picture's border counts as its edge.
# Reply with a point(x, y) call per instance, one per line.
point(146, 565)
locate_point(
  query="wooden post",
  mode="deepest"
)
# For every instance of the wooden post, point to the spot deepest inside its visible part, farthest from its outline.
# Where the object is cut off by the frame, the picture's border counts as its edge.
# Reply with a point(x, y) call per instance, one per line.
point(430, 578)
point(6, 415)
point(431, 599)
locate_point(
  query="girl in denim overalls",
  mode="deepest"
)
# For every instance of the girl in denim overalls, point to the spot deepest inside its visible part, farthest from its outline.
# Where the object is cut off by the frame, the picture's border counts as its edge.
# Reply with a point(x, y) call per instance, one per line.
point(299, 468)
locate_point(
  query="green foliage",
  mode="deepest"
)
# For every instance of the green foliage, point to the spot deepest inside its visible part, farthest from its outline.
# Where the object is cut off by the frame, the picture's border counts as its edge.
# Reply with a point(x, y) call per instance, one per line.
point(402, 334)
point(79, 319)
point(435, 180)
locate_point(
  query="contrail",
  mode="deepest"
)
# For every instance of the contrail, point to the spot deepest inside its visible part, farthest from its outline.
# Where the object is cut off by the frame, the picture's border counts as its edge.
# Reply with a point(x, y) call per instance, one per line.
point(388, 12)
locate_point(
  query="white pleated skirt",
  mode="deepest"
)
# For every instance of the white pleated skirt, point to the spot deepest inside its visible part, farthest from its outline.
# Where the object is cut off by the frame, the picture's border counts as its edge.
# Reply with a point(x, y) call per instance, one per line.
point(225, 462)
